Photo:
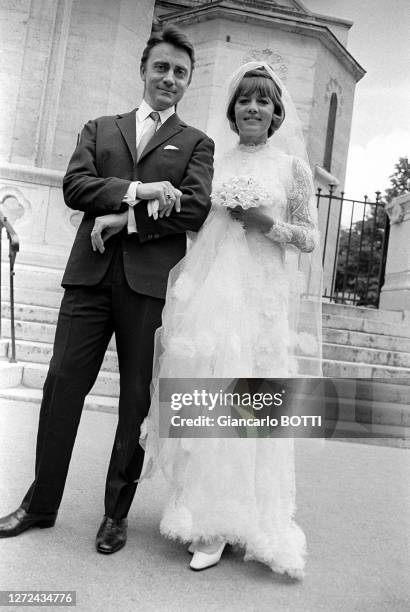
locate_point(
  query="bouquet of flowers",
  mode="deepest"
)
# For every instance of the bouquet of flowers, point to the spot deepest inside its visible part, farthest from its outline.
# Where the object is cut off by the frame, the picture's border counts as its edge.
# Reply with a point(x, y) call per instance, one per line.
point(240, 191)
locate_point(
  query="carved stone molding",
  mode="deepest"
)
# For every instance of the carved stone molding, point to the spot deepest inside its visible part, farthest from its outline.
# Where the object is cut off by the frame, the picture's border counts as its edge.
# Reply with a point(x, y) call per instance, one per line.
point(396, 209)
point(271, 57)
point(395, 212)
point(333, 86)
point(13, 203)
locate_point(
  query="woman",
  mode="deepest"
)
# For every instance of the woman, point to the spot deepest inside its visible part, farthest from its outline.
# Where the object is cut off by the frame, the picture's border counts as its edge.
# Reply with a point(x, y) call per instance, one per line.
point(242, 303)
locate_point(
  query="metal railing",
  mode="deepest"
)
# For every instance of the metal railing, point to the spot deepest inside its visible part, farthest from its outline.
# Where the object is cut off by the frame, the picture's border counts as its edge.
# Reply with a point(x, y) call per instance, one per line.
point(356, 237)
point(14, 247)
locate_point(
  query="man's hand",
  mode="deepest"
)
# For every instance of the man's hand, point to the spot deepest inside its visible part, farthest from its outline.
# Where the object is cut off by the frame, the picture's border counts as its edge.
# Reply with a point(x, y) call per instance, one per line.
point(258, 218)
point(162, 196)
point(105, 227)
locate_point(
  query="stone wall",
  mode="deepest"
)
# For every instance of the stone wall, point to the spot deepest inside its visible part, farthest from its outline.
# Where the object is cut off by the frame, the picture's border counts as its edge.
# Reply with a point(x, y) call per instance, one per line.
point(64, 63)
point(310, 71)
point(331, 77)
point(67, 61)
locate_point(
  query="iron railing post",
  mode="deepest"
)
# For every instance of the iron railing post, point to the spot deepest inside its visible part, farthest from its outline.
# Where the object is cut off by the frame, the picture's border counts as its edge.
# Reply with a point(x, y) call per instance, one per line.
point(347, 252)
point(12, 258)
point(332, 286)
point(14, 247)
point(360, 250)
point(374, 237)
point(383, 259)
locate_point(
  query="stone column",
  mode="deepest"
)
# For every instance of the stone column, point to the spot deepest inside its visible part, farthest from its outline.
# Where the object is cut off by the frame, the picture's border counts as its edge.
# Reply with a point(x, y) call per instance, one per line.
point(395, 294)
point(65, 62)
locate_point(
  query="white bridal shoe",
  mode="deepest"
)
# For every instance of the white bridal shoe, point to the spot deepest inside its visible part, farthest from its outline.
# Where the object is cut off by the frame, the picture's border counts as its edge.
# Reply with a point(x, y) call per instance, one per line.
point(202, 559)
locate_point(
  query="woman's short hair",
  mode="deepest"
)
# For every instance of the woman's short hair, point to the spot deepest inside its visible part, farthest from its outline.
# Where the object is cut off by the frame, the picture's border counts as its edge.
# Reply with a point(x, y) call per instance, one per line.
point(172, 35)
point(258, 81)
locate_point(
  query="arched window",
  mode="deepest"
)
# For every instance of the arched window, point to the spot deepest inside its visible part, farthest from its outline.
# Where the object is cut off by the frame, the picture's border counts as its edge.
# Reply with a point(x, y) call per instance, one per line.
point(330, 133)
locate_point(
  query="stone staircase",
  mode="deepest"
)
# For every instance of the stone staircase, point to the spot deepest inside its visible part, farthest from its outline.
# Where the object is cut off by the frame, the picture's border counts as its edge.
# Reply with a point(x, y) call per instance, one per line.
point(358, 343)
point(372, 347)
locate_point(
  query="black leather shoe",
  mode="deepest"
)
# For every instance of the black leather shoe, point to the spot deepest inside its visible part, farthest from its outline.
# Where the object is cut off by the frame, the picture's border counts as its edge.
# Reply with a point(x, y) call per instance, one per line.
point(18, 521)
point(112, 535)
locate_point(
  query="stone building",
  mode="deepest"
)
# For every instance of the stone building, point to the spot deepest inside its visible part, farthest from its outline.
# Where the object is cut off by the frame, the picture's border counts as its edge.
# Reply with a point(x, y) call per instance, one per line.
point(66, 61)
point(309, 54)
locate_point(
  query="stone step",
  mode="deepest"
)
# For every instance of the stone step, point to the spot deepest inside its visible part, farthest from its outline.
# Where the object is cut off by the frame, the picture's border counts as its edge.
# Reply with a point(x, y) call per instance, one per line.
point(394, 335)
point(10, 374)
point(28, 348)
point(33, 277)
point(31, 312)
point(347, 369)
point(397, 435)
point(338, 335)
point(42, 306)
point(41, 352)
point(369, 412)
point(382, 390)
point(34, 375)
point(370, 326)
point(381, 335)
point(359, 355)
point(48, 278)
point(37, 284)
point(20, 395)
point(36, 297)
point(366, 340)
point(46, 257)
point(359, 312)
point(390, 389)
point(32, 331)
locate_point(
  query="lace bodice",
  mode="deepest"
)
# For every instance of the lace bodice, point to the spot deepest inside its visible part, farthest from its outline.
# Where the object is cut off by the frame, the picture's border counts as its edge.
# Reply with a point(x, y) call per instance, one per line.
point(287, 180)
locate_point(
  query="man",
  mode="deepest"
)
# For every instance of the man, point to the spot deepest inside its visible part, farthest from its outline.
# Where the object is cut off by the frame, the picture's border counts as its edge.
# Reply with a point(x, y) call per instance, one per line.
point(130, 164)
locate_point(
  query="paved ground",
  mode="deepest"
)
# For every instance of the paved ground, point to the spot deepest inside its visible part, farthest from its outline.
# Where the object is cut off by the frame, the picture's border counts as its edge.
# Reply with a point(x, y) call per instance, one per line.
point(354, 505)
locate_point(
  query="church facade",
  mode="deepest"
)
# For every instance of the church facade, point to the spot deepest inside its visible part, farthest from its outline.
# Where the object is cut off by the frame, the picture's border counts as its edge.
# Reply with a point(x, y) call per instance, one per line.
point(66, 62)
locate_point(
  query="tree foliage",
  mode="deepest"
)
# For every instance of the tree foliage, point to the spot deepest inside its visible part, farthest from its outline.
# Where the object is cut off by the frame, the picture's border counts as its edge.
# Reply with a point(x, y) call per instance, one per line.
point(361, 250)
point(400, 179)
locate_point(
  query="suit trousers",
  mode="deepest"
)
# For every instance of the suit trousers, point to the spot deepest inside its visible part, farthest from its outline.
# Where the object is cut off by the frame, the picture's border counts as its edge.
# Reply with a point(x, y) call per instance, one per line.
point(88, 317)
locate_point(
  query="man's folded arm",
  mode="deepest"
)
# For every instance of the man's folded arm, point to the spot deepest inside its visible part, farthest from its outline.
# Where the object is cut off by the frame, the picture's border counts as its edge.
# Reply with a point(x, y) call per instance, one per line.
point(195, 200)
point(83, 189)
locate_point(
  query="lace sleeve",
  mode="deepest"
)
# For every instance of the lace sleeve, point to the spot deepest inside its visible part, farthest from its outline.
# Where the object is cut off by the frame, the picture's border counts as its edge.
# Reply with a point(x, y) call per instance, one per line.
point(301, 231)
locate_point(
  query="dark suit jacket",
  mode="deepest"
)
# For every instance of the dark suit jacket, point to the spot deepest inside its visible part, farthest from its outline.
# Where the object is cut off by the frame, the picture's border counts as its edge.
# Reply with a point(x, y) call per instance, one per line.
point(97, 178)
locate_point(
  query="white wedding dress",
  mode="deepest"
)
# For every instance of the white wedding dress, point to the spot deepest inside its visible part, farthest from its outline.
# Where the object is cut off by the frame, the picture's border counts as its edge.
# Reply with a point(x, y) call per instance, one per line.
point(230, 312)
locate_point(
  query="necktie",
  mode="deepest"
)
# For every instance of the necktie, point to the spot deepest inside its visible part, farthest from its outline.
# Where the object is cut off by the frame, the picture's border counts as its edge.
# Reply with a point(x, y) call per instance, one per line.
point(148, 134)
point(145, 138)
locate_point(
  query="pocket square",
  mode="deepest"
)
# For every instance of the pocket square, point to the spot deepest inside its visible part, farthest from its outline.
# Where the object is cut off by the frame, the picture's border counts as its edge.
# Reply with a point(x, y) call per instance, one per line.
point(171, 147)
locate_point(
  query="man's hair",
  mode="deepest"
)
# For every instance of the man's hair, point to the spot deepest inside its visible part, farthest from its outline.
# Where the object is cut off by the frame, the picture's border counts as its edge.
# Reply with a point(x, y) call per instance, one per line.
point(172, 35)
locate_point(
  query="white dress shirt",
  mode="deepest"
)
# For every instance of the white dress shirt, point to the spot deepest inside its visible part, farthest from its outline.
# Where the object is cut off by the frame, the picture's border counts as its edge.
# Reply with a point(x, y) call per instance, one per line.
point(142, 124)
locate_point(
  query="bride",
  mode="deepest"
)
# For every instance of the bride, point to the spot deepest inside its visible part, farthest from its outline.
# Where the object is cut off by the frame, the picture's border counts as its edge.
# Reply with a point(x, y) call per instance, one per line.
point(244, 302)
